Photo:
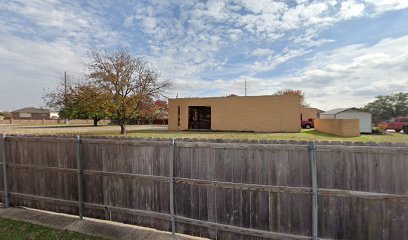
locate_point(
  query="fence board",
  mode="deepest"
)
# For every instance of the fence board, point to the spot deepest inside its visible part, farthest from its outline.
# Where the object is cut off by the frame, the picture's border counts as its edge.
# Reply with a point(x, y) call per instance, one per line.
point(129, 176)
point(38, 181)
point(378, 180)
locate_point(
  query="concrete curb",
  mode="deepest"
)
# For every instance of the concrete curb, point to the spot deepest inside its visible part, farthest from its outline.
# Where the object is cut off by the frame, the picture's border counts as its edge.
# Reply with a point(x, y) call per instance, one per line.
point(90, 226)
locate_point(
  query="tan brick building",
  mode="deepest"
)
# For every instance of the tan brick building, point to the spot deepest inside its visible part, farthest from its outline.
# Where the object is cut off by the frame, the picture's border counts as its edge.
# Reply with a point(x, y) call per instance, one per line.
point(307, 113)
point(236, 113)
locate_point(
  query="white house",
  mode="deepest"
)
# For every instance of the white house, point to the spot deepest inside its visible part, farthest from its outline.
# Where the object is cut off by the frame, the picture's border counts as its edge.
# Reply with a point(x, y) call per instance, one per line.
point(351, 113)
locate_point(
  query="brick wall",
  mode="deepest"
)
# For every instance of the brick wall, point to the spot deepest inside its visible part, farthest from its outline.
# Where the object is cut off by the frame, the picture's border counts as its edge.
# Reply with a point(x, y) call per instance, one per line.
point(34, 116)
point(339, 127)
point(307, 113)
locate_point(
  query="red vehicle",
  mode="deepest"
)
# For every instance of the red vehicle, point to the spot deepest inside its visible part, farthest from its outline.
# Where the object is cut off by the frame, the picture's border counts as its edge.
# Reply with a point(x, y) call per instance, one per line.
point(307, 124)
point(398, 125)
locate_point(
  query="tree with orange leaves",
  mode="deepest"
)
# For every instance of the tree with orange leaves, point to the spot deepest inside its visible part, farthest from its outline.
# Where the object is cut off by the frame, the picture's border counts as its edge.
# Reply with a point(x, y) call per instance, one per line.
point(299, 93)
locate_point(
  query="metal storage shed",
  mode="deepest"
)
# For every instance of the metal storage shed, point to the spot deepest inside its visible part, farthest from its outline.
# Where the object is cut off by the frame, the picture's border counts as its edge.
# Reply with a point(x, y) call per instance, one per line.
point(351, 113)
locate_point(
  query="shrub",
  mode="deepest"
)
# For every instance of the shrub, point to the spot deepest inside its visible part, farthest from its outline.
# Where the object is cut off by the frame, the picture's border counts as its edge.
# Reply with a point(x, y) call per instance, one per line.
point(378, 130)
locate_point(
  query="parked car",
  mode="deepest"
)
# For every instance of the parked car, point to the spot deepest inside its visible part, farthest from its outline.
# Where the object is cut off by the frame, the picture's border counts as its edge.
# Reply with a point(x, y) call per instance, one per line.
point(397, 125)
point(307, 124)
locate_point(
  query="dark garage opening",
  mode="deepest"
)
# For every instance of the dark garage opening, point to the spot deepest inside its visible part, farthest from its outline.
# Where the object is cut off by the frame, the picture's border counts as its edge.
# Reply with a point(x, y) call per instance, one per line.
point(199, 117)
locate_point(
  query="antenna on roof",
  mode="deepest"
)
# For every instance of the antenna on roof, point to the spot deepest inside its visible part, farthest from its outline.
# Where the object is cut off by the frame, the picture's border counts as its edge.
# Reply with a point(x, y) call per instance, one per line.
point(245, 88)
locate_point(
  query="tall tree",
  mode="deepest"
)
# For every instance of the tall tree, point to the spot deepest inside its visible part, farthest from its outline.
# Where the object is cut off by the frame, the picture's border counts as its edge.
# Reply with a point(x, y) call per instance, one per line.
point(388, 107)
point(154, 109)
point(80, 101)
point(299, 93)
point(91, 103)
point(162, 109)
point(128, 81)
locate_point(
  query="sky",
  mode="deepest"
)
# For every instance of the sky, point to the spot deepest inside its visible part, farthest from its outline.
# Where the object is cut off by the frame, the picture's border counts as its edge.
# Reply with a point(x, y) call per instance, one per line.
point(340, 53)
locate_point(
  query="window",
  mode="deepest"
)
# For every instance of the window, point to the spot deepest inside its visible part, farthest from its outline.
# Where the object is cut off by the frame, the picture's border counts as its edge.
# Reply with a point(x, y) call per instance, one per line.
point(178, 116)
point(199, 117)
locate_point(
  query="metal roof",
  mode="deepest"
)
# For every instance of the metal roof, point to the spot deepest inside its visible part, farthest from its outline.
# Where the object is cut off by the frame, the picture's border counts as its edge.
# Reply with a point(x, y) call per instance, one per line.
point(319, 110)
point(339, 110)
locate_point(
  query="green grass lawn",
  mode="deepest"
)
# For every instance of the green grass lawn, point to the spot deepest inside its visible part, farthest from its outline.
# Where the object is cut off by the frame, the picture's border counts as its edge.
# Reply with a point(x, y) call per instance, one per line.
point(305, 135)
point(141, 131)
point(17, 230)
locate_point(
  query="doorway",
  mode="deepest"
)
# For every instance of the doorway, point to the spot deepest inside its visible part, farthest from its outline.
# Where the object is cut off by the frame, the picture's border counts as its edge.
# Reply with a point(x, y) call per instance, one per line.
point(199, 118)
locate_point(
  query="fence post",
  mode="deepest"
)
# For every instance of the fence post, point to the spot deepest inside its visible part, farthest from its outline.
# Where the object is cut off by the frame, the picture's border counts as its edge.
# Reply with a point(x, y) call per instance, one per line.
point(172, 156)
point(79, 167)
point(5, 177)
point(313, 170)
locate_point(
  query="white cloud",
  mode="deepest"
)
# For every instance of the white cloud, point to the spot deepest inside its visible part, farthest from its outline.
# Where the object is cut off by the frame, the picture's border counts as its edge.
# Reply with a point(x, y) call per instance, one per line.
point(221, 87)
point(350, 9)
point(263, 6)
point(353, 75)
point(28, 67)
point(39, 41)
point(387, 5)
point(271, 62)
point(260, 52)
point(195, 38)
point(54, 19)
point(189, 40)
point(345, 77)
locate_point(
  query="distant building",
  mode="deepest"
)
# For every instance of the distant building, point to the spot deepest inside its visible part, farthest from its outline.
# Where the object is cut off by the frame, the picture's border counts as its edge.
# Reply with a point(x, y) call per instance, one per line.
point(236, 113)
point(309, 113)
point(34, 113)
point(351, 113)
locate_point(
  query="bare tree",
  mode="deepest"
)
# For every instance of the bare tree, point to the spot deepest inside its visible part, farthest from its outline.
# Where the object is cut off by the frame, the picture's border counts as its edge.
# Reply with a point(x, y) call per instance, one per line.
point(128, 80)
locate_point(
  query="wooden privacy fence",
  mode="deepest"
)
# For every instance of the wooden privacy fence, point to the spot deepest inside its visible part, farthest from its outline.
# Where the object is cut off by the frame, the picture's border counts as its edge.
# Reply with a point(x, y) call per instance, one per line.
point(213, 188)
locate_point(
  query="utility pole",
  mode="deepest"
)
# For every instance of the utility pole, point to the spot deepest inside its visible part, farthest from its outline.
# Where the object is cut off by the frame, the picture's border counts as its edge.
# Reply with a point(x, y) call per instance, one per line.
point(245, 88)
point(65, 95)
